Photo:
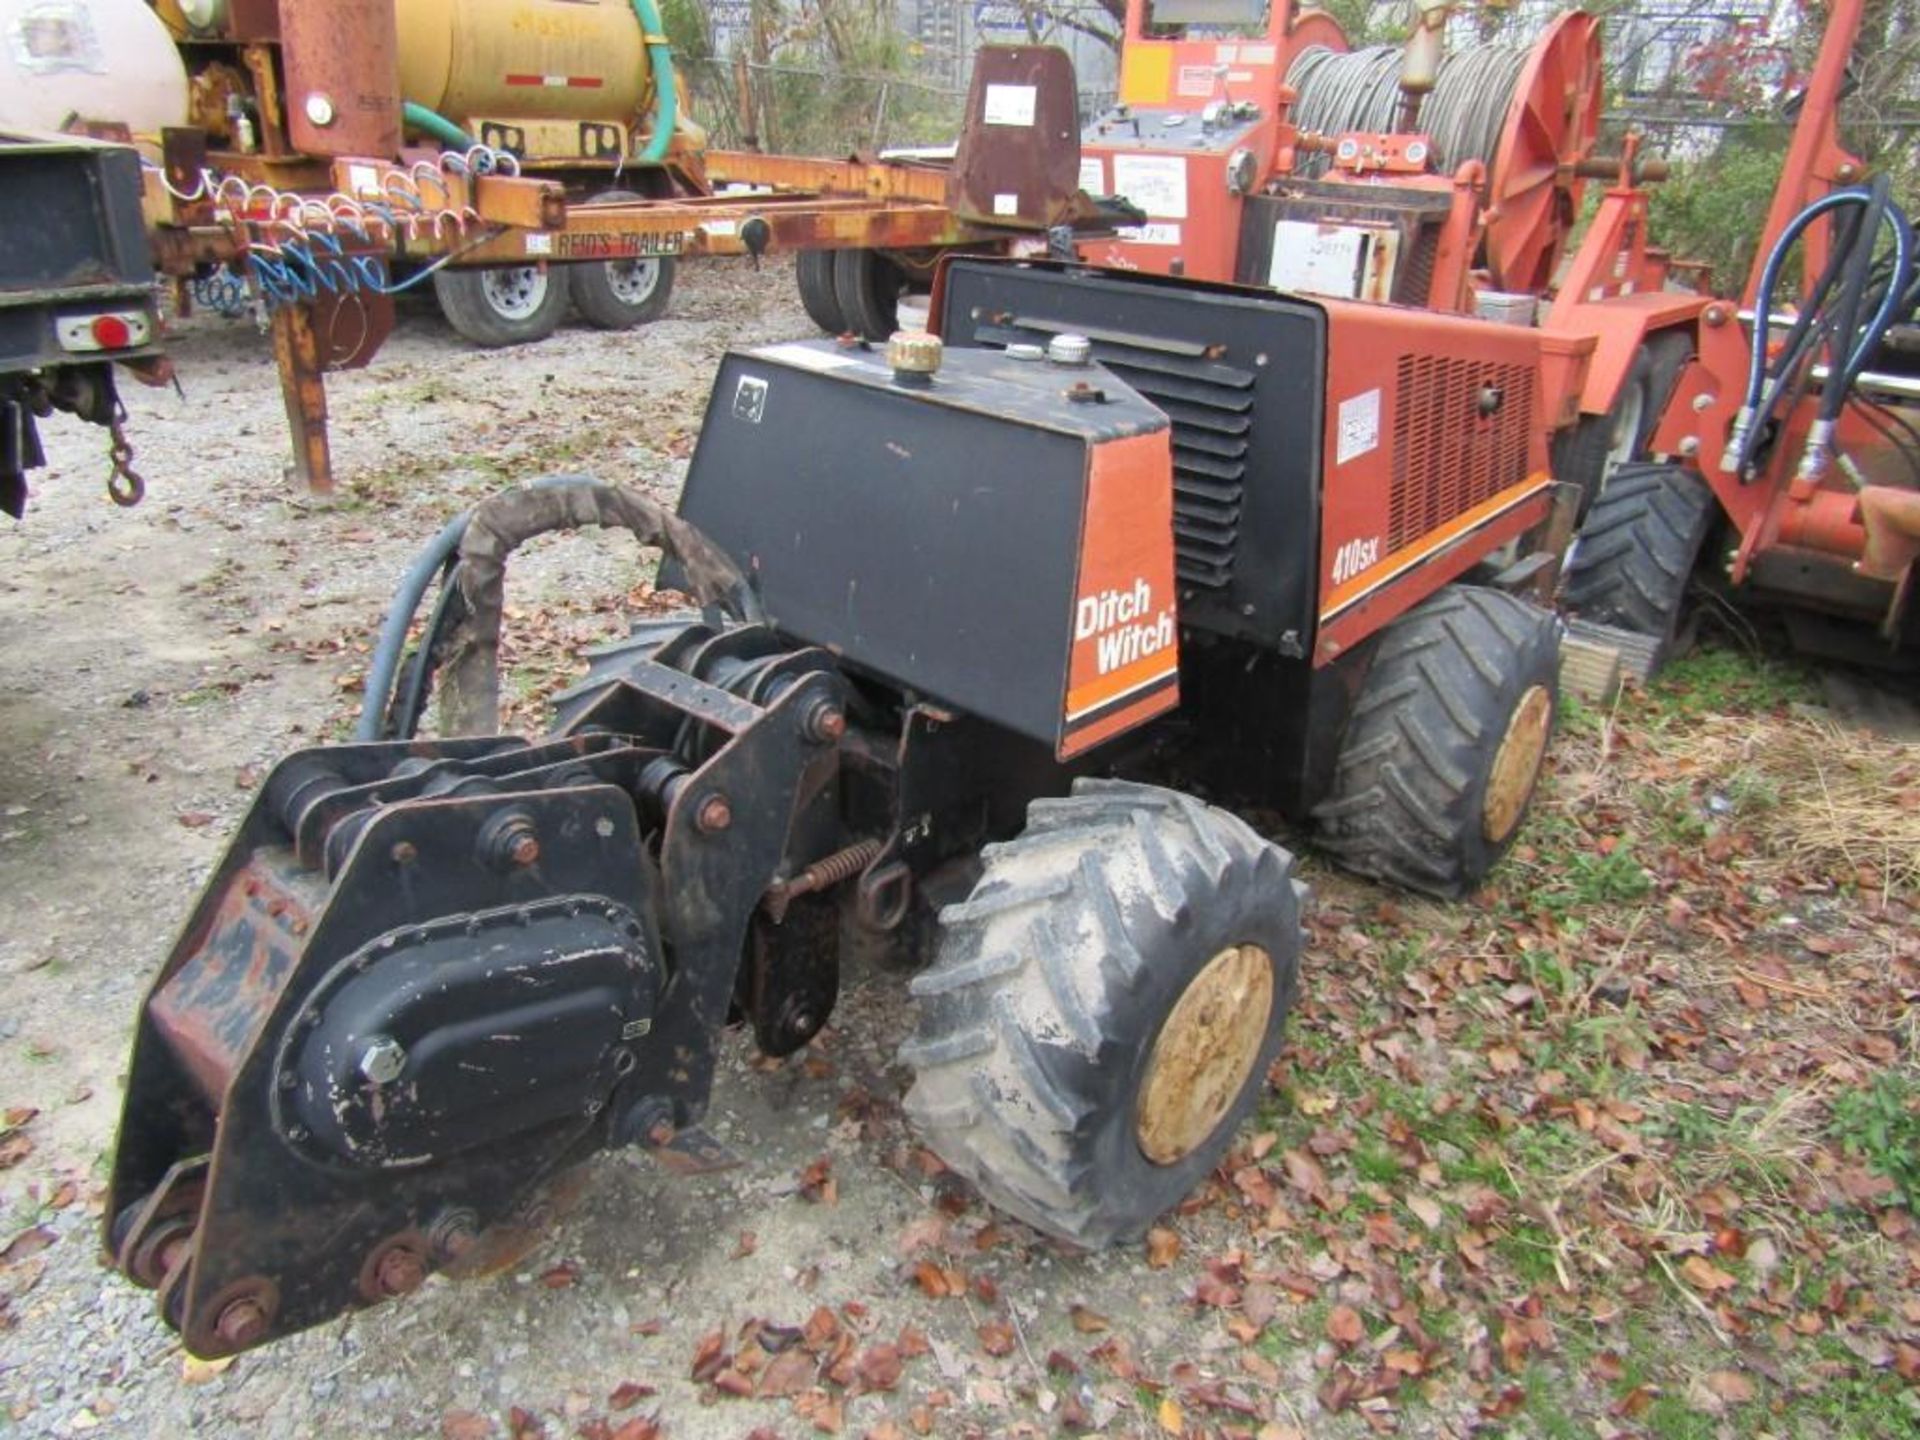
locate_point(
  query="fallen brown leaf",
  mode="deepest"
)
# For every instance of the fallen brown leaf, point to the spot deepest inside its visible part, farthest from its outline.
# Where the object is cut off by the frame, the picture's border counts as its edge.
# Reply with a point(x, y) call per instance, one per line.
point(1344, 1325)
point(996, 1337)
point(1087, 1322)
point(824, 1410)
point(464, 1425)
point(629, 1393)
point(938, 1281)
point(30, 1241)
point(1703, 1274)
point(879, 1367)
point(709, 1355)
point(789, 1373)
point(1731, 1386)
point(1163, 1247)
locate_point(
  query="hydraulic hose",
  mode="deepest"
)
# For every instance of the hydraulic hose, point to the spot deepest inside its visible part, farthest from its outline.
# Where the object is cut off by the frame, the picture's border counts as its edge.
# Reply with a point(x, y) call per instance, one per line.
point(470, 553)
point(666, 97)
point(1893, 296)
point(436, 558)
point(1851, 341)
point(433, 123)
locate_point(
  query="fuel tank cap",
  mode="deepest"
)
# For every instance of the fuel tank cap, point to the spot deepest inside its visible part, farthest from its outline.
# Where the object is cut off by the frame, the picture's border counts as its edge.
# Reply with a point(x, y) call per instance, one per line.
point(1069, 350)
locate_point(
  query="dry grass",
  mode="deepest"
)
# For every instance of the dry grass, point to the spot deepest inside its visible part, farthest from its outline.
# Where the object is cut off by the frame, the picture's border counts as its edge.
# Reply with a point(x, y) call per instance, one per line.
point(1842, 800)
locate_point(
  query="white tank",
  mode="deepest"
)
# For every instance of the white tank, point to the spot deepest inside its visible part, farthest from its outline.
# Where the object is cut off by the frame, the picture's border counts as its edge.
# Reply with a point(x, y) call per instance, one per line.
point(96, 59)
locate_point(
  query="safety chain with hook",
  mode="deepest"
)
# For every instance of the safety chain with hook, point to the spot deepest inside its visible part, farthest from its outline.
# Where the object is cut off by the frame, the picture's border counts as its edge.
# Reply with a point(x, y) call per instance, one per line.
point(124, 485)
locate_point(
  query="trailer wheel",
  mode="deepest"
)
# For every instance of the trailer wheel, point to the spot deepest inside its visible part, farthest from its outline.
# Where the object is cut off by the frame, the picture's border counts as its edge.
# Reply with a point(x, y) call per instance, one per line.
point(1446, 741)
point(501, 304)
point(868, 287)
point(620, 294)
point(813, 270)
point(1586, 452)
point(1102, 1010)
point(1635, 552)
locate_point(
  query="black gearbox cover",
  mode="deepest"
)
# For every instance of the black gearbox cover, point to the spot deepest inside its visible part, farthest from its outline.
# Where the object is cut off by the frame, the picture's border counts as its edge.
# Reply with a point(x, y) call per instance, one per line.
point(508, 1020)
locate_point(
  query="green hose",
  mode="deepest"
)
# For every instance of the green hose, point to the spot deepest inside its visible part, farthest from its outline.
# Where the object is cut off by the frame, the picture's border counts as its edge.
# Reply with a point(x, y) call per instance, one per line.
point(666, 99)
point(435, 124)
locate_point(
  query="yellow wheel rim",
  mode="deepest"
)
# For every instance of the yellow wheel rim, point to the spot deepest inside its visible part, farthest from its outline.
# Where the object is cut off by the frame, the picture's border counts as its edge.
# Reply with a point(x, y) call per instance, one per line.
point(1516, 764)
point(1205, 1051)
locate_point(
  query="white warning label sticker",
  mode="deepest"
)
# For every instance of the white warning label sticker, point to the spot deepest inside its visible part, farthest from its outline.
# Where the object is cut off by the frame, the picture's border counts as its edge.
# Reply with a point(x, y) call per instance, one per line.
point(1009, 105)
point(1359, 426)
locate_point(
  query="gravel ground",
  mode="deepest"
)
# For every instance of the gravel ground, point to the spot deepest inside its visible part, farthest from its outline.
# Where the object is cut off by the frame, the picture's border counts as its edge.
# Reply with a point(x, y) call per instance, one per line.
point(158, 659)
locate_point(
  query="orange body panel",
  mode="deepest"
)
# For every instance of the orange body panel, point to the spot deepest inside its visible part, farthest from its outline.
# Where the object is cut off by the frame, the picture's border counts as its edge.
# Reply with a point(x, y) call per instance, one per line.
point(1435, 453)
point(1198, 237)
point(1180, 74)
point(1124, 667)
point(1193, 220)
point(1614, 291)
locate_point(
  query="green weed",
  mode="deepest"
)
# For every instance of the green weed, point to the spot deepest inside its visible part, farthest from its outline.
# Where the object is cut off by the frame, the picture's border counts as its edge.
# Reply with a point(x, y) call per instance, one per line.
point(1880, 1123)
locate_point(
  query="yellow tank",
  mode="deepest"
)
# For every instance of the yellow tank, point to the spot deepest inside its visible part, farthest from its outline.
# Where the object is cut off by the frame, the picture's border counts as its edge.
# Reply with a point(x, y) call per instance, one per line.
point(523, 59)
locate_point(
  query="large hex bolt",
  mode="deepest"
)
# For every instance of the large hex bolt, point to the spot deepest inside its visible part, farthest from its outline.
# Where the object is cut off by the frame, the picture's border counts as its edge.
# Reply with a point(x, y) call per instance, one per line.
point(825, 722)
point(383, 1060)
point(510, 842)
point(242, 1322)
point(714, 815)
point(400, 1271)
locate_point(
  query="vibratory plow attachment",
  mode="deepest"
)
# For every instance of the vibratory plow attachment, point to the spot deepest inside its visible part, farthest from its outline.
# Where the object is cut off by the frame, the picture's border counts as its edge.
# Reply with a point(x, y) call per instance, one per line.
point(404, 1001)
point(426, 979)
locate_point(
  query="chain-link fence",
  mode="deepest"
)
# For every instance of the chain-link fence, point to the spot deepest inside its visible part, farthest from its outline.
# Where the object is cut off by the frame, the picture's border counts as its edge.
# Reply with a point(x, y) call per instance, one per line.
point(803, 110)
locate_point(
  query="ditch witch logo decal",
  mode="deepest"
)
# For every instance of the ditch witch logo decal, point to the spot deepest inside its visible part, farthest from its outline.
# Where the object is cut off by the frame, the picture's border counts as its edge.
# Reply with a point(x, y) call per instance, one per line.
point(1125, 665)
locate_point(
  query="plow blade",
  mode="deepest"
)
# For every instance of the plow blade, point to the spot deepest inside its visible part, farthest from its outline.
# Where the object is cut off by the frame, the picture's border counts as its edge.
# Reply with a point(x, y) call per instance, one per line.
point(405, 1001)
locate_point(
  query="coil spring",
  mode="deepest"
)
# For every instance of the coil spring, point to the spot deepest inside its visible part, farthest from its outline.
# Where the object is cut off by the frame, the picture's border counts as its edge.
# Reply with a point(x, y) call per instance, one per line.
point(222, 292)
point(291, 242)
point(1360, 90)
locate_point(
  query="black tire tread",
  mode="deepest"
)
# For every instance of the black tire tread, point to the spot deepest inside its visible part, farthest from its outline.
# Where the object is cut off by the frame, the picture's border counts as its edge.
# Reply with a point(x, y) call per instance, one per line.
point(813, 274)
point(865, 286)
point(1018, 1000)
point(1406, 800)
point(465, 306)
point(1635, 552)
point(593, 296)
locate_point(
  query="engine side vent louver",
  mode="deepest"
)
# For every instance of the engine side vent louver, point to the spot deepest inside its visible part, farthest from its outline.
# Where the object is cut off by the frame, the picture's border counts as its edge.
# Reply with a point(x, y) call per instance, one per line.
point(1210, 405)
point(1460, 436)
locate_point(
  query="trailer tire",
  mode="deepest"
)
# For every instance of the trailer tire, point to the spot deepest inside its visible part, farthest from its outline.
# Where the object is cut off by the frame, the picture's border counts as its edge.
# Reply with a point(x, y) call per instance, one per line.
point(1103, 1009)
point(868, 287)
point(1635, 552)
point(1587, 452)
point(813, 272)
point(1446, 741)
point(502, 305)
point(620, 294)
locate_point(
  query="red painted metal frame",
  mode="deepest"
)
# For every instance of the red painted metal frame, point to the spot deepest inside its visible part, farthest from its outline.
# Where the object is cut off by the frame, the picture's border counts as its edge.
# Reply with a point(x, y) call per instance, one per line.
point(1365, 344)
point(1179, 74)
point(1816, 162)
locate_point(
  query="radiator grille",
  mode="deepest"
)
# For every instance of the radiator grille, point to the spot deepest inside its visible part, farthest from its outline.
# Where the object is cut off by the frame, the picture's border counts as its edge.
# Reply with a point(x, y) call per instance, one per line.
point(1447, 455)
point(1210, 405)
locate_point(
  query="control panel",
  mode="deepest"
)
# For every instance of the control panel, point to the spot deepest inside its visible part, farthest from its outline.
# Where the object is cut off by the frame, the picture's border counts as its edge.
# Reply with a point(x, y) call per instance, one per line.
point(1221, 125)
